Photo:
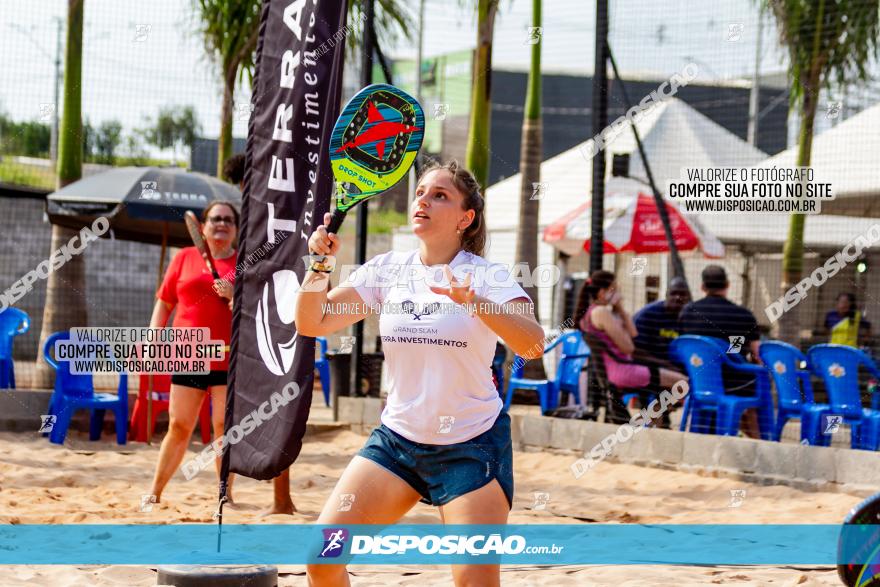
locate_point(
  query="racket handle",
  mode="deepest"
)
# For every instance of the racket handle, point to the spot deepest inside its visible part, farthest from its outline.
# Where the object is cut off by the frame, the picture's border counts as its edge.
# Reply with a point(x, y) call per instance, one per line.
point(336, 221)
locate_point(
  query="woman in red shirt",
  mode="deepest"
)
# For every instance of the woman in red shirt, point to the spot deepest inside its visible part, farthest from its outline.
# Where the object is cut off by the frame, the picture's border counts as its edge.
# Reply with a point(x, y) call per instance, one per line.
point(197, 300)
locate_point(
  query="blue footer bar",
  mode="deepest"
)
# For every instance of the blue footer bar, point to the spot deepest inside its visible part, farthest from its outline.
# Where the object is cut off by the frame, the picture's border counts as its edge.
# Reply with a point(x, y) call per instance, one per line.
point(581, 544)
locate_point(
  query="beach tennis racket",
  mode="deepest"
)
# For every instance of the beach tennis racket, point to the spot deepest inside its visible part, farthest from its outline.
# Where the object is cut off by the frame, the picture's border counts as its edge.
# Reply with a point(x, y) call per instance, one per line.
point(864, 543)
point(373, 145)
point(194, 227)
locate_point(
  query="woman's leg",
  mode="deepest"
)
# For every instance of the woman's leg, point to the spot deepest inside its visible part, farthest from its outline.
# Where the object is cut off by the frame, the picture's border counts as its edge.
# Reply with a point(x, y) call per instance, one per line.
point(668, 378)
point(486, 505)
point(281, 502)
point(377, 497)
point(183, 411)
point(218, 416)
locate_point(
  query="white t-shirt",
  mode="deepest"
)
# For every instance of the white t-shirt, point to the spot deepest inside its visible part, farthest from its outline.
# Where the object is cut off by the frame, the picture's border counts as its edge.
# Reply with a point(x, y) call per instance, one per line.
point(438, 357)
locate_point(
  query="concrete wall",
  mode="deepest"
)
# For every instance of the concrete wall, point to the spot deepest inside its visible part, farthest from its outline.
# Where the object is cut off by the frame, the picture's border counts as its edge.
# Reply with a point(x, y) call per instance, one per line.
point(121, 276)
point(751, 460)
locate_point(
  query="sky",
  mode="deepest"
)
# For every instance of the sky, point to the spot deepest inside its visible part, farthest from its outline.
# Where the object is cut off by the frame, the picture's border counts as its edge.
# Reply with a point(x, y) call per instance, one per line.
point(140, 56)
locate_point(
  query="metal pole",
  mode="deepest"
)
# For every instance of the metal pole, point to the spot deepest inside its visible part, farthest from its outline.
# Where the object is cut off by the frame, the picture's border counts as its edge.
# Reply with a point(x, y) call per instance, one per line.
point(600, 121)
point(419, 49)
point(418, 84)
point(150, 376)
point(361, 233)
point(677, 266)
point(754, 95)
point(53, 146)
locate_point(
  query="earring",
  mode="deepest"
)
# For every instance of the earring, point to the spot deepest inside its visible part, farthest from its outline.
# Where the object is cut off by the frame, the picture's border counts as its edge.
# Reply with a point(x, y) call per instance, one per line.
point(458, 231)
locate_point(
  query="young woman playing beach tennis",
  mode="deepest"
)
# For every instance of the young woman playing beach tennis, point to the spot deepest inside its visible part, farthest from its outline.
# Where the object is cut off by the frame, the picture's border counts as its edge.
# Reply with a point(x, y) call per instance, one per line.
point(443, 438)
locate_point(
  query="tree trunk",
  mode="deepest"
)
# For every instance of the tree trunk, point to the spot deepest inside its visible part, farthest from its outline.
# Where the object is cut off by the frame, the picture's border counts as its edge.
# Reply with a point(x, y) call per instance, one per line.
point(224, 145)
point(477, 155)
point(793, 251)
point(531, 153)
point(66, 288)
point(527, 231)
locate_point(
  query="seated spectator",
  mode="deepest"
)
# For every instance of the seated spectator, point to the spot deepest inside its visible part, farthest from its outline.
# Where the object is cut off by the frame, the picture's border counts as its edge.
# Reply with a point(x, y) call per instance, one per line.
point(718, 317)
point(600, 312)
point(845, 324)
point(657, 323)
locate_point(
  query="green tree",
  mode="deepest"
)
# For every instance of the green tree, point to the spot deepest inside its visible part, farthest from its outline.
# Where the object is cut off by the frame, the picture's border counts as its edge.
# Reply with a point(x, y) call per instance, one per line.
point(88, 141)
point(35, 138)
point(107, 140)
point(134, 148)
point(827, 40)
point(188, 127)
point(174, 128)
point(23, 138)
point(163, 133)
point(477, 154)
point(65, 288)
point(390, 18)
point(229, 29)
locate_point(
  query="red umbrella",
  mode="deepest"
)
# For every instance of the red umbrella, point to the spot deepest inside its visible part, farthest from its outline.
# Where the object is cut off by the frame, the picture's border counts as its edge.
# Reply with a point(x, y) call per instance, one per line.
point(632, 224)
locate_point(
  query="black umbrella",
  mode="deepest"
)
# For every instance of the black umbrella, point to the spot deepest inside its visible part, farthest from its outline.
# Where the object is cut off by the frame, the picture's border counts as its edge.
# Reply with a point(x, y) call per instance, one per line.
point(143, 204)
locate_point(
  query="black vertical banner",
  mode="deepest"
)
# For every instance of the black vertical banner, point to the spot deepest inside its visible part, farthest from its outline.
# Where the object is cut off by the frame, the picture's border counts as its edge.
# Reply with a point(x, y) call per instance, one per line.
point(288, 184)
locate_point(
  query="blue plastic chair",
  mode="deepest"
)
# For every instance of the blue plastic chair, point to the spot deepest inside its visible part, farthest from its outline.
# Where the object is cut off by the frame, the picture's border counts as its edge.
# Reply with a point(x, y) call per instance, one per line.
point(323, 367)
point(13, 322)
point(76, 392)
point(703, 358)
point(794, 392)
point(567, 373)
point(838, 366)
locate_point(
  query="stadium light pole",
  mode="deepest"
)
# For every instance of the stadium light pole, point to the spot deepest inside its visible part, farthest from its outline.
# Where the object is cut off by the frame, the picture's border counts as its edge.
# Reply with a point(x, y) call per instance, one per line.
point(600, 121)
point(361, 232)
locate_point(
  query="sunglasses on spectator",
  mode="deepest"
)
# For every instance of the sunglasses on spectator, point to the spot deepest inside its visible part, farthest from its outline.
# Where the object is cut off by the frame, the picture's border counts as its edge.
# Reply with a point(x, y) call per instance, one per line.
point(219, 219)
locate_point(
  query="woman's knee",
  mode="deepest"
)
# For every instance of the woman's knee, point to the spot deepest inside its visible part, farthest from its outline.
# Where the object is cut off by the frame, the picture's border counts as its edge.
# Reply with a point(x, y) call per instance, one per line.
point(180, 428)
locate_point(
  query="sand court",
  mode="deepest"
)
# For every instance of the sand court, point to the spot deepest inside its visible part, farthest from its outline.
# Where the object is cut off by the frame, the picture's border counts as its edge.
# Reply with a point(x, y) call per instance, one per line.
point(99, 483)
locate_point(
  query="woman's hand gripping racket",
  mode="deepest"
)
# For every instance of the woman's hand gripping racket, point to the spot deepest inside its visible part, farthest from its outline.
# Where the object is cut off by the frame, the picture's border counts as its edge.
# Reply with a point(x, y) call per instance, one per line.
point(194, 227)
point(373, 145)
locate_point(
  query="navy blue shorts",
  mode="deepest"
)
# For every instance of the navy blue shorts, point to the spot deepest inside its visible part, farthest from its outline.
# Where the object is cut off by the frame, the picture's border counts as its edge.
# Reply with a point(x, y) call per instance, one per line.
point(440, 473)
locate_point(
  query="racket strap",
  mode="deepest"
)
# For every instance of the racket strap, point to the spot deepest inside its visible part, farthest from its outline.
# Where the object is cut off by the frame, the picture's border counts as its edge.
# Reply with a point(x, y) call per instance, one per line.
point(322, 263)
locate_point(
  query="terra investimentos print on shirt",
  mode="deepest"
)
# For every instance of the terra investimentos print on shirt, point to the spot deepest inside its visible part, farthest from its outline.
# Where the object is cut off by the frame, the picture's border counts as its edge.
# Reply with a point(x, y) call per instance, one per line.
point(438, 356)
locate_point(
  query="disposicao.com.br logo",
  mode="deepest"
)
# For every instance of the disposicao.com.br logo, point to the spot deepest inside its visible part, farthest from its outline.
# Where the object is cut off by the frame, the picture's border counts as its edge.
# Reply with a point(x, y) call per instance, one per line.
point(449, 544)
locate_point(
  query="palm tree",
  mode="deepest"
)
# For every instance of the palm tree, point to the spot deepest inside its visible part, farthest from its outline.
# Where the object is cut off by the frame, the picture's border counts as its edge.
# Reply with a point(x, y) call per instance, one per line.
point(827, 40)
point(530, 172)
point(65, 288)
point(230, 29)
point(390, 18)
point(530, 161)
point(477, 155)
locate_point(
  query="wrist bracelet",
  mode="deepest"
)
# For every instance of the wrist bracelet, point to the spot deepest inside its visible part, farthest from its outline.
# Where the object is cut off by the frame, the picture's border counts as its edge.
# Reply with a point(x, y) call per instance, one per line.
point(320, 264)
